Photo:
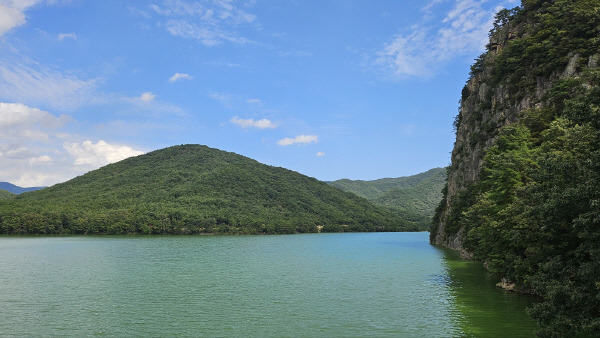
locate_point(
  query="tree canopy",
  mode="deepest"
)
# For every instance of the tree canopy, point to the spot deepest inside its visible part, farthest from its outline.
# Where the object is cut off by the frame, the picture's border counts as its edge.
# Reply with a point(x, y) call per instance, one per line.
point(192, 189)
point(413, 198)
point(533, 214)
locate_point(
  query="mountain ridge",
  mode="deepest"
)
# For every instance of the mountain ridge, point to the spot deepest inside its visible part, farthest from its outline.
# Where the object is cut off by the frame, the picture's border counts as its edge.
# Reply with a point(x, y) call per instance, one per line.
point(413, 198)
point(16, 189)
point(190, 189)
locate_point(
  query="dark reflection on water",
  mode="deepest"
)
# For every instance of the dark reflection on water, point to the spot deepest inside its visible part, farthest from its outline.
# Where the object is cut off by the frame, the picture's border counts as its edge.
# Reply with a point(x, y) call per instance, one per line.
point(482, 309)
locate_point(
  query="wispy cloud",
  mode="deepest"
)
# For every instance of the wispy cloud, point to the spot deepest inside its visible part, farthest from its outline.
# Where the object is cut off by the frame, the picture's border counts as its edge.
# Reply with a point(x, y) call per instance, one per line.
point(254, 101)
point(296, 53)
point(300, 139)
point(251, 123)
point(33, 84)
point(180, 76)
point(146, 105)
point(423, 50)
point(37, 85)
point(63, 36)
point(320, 154)
point(209, 22)
point(222, 97)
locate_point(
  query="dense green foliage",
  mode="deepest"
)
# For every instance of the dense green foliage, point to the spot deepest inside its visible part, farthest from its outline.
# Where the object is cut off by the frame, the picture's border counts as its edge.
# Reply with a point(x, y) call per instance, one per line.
point(413, 198)
point(555, 31)
point(5, 194)
point(192, 189)
point(534, 215)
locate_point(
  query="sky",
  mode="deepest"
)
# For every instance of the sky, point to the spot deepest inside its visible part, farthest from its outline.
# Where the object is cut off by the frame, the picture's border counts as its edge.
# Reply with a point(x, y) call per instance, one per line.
point(358, 89)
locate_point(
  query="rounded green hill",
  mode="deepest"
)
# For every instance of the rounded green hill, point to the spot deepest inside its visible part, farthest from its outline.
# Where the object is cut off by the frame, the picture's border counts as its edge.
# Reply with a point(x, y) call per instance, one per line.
point(191, 189)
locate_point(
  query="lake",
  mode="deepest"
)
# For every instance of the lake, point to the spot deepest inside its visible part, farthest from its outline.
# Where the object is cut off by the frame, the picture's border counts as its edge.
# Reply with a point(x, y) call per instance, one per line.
point(354, 284)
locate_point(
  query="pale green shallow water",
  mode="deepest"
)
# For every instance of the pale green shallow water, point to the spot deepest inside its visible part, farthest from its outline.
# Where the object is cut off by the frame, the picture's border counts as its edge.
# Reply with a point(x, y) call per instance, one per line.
point(359, 284)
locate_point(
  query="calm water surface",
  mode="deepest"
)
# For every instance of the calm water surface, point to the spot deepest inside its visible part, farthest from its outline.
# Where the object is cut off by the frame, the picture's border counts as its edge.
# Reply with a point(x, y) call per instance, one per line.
point(367, 284)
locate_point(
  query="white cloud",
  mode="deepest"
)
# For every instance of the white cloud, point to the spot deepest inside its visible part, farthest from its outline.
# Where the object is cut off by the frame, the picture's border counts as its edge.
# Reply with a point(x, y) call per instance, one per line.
point(423, 50)
point(63, 36)
point(405, 55)
point(180, 76)
point(23, 128)
point(12, 13)
point(260, 124)
point(220, 97)
point(98, 154)
point(36, 85)
point(320, 154)
point(35, 150)
point(18, 114)
point(254, 101)
point(300, 139)
point(147, 97)
point(211, 23)
point(27, 153)
point(28, 180)
point(10, 18)
point(19, 153)
point(40, 159)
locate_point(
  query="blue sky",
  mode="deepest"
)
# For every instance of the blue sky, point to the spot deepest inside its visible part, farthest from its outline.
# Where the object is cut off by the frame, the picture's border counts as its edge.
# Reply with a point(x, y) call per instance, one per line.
point(331, 89)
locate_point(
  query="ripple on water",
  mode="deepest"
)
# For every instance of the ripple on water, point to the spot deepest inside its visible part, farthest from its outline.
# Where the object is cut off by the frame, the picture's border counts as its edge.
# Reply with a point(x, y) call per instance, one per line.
point(377, 284)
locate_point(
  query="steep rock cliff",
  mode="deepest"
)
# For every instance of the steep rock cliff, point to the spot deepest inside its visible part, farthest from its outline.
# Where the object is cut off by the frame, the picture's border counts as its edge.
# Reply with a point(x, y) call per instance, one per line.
point(523, 190)
point(527, 56)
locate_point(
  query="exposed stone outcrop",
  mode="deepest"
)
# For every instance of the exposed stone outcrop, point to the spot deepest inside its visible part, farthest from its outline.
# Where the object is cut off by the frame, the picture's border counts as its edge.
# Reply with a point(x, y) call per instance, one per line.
point(506, 285)
point(487, 106)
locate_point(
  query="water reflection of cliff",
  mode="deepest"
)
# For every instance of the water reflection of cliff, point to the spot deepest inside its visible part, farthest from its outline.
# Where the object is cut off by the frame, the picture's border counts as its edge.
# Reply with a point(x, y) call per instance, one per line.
point(481, 308)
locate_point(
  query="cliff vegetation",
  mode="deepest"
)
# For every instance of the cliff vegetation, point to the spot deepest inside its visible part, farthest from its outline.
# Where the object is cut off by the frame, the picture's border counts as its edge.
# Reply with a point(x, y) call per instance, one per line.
point(523, 190)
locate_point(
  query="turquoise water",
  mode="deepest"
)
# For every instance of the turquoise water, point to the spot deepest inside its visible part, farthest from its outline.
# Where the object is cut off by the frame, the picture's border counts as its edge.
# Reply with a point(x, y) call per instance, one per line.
point(359, 284)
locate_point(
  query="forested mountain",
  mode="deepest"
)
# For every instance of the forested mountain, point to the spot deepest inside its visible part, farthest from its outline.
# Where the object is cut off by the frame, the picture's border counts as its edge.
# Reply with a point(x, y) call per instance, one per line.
point(192, 189)
point(523, 192)
point(5, 194)
point(413, 198)
point(16, 189)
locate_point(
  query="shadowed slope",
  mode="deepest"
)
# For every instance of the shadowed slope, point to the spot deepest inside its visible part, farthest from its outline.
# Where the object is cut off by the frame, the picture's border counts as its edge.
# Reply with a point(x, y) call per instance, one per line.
point(413, 198)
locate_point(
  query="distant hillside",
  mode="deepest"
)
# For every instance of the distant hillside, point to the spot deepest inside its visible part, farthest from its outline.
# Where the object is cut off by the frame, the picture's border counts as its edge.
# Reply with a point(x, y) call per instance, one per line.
point(413, 198)
point(193, 189)
point(5, 194)
point(16, 189)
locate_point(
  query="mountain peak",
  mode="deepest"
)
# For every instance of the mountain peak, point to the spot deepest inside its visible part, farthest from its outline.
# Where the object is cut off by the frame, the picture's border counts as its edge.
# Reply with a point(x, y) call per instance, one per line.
point(190, 189)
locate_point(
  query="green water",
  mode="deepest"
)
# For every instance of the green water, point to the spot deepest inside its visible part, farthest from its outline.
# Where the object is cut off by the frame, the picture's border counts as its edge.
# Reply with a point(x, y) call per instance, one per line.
point(367, 284)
